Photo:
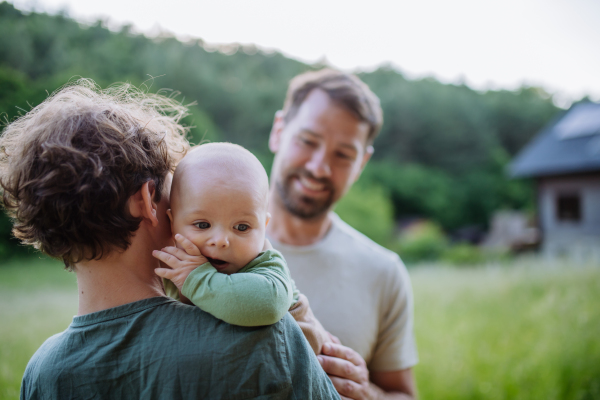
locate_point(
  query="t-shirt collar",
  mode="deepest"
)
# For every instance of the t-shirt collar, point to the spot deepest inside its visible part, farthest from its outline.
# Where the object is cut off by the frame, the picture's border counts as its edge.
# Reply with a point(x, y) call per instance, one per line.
point(313, 246)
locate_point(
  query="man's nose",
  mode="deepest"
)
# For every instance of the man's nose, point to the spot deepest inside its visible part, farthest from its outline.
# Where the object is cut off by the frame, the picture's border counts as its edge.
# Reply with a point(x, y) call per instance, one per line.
point(318, 165)
point(219, 240)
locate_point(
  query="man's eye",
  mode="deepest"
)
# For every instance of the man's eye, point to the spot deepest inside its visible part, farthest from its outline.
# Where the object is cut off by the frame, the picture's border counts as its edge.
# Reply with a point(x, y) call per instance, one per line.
point(345, 156)
point(309, 143)
point(202, 225)
point(241, 227)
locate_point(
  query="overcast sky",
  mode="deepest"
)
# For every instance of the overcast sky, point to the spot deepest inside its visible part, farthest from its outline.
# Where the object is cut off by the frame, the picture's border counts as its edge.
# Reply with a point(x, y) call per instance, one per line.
point(485, 43)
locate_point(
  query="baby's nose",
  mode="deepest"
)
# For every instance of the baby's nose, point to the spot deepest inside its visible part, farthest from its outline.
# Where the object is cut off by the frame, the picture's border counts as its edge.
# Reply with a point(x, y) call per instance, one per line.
point(219, 240)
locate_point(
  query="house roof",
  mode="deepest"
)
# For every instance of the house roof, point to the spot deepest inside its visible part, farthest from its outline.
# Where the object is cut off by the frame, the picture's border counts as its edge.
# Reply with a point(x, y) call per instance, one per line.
point(570, 144)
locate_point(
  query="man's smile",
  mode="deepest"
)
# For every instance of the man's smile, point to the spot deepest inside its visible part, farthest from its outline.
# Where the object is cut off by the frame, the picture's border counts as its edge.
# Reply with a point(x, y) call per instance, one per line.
point(311, 184)
point(304, 182)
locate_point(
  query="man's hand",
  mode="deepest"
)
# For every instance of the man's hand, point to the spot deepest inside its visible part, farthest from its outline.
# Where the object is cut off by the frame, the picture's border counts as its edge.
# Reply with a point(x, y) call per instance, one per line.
point(349, 374)
point(333, 338)
point(182, 259)
point(347, 370)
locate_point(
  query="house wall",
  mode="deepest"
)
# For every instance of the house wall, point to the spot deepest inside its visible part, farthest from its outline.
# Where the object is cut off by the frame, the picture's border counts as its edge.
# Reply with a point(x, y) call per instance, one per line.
point(581, 239)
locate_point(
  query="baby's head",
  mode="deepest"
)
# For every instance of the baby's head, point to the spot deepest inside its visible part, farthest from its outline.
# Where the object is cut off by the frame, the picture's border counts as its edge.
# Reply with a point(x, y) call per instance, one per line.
point(219, 202)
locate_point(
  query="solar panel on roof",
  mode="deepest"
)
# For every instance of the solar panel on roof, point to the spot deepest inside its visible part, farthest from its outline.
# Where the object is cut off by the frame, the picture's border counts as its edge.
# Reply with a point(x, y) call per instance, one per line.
point(582, 120)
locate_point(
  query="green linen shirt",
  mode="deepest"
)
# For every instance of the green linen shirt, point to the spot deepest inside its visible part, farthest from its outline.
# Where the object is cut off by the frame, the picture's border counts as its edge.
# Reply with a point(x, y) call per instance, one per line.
point(159, 348)
point(261, 293)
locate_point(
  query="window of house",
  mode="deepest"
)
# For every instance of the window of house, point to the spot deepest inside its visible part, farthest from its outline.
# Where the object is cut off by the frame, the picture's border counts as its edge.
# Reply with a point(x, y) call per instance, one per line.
point(568, 207)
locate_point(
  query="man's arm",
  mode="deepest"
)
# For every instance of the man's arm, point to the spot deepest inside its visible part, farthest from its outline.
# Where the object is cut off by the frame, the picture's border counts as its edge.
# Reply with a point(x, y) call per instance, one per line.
point(349, 374)
point(394, 384)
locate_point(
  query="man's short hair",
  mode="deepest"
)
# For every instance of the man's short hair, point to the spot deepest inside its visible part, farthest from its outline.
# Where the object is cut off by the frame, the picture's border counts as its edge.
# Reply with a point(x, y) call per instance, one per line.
point(347, 90)
point(69, 166)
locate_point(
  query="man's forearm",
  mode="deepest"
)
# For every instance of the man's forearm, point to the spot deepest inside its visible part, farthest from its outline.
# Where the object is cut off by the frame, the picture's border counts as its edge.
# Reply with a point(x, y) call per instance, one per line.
point(378, 393)
point(398, 384)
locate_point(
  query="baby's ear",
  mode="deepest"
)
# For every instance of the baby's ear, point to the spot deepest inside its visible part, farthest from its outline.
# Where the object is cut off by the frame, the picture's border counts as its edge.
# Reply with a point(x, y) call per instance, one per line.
point(268, 219)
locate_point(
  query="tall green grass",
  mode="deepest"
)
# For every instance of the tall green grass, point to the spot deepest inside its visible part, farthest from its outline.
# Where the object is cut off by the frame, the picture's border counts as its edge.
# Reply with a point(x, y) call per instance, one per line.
point(38, 298)
point(526, 331)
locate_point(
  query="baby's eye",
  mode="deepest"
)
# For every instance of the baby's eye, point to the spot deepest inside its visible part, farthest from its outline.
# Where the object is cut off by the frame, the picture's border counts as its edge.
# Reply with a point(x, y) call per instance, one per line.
point(202, 225)
point(241, 227)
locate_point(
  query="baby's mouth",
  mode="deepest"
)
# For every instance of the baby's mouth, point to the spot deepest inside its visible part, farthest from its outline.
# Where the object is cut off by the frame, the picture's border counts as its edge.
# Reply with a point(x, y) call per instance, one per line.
point(215, 262)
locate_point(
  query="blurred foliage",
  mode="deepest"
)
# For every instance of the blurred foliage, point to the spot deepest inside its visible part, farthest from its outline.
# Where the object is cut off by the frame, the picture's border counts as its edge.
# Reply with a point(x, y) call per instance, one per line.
point(452, 127)
point(369, 210)
point(441, 155)
point(463, 254)
point(453, 200)
point(423, 241)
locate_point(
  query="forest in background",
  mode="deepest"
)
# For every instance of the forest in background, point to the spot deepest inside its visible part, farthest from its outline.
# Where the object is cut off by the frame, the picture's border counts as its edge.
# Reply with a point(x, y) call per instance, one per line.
point(441, 155)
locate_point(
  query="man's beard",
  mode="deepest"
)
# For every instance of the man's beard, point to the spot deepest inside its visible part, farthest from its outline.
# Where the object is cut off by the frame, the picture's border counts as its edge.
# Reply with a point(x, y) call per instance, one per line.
point(304, 207)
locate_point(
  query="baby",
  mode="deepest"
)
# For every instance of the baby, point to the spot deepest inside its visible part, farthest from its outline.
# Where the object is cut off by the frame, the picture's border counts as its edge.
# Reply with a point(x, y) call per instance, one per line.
point(222, 262)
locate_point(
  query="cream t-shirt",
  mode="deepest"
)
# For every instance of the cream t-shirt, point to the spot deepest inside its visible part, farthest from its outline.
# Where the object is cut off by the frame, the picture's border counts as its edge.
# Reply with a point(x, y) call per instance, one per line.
point(360, 292)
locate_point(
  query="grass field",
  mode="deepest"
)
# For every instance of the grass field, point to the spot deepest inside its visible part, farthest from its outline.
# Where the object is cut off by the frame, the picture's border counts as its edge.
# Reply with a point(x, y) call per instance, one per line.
point(525, 331)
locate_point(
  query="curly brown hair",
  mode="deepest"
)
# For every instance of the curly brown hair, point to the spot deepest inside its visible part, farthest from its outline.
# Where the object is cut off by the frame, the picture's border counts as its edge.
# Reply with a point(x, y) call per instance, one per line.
point(69, 166)
point(345, 89)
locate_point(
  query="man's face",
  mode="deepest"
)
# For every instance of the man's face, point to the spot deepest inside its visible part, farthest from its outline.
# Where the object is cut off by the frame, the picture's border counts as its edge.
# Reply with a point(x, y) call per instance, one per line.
point(319, 155)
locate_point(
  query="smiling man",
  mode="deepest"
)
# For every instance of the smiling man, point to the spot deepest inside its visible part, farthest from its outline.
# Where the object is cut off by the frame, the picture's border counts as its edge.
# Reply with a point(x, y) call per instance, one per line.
point(361, 292)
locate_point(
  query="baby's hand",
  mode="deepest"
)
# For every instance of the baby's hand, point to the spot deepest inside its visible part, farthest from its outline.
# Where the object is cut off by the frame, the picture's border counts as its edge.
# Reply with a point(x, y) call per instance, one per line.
point(181, 260)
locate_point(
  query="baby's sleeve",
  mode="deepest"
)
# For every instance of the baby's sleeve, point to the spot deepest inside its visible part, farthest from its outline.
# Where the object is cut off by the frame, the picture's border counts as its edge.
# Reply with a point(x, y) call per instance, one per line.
point(259, 294)
point(170, 289)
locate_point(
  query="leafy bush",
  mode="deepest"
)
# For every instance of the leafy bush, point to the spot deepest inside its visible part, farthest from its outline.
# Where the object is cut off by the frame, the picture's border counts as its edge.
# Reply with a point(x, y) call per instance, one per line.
point(452, 201)
point(424, 241)
point(369, 210)
point(463, 254)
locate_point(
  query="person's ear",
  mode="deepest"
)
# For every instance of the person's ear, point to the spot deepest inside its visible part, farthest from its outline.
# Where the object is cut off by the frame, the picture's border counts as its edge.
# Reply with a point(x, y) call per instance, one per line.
point(367, 156)
point(170, 215)
point(142, 204)
point(275, 136)
point(268, 219)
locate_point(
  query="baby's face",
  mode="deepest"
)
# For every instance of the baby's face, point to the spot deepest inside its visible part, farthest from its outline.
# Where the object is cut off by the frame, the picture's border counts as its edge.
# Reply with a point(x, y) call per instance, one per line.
point(225, 219)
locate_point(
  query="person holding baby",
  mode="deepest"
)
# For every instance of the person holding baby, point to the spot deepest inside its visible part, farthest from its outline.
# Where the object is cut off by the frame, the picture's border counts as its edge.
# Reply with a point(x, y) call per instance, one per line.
point(86, 176)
